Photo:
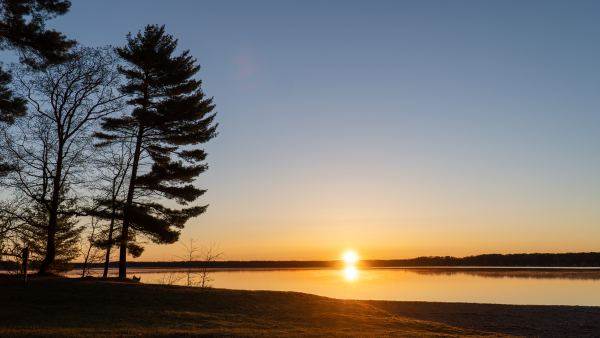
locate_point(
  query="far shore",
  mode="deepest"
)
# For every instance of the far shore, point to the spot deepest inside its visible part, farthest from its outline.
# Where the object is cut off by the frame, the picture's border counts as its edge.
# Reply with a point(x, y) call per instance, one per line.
point(532, 260)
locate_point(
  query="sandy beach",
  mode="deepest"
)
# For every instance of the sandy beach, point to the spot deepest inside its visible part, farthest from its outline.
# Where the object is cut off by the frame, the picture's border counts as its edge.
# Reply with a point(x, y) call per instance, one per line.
point(518, 320)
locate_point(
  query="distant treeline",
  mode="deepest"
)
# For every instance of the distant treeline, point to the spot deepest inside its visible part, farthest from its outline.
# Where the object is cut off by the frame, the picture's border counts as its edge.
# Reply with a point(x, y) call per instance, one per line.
point(584, 259)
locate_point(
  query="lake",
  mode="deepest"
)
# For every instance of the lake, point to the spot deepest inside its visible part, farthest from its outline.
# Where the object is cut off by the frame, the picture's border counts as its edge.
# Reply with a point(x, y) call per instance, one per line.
point(534, 286)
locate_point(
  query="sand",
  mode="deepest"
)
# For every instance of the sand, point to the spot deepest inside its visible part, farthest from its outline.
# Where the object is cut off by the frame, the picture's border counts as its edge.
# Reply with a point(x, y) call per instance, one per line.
point(519, 320)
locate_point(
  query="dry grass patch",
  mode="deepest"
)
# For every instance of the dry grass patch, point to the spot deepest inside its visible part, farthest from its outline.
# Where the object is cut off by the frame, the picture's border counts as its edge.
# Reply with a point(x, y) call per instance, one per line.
point(64, 307)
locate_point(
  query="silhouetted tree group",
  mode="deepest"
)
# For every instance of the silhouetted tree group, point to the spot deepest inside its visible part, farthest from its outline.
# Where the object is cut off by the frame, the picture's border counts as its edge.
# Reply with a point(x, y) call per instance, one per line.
point(582, 259)
point(110, 134)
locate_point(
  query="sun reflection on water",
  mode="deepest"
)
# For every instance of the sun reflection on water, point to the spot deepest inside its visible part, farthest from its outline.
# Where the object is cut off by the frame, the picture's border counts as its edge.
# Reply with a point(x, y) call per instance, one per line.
point(350, 272)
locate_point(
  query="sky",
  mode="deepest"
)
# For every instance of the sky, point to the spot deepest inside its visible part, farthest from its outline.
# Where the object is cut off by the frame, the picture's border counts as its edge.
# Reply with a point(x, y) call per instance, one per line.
point(394, 129)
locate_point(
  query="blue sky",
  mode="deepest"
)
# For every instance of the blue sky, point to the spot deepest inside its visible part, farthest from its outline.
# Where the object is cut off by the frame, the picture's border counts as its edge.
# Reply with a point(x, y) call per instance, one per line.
point(391, 128)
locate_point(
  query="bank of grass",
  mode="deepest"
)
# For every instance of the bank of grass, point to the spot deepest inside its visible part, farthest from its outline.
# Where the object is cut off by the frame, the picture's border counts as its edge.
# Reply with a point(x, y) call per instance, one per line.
point(75, 307)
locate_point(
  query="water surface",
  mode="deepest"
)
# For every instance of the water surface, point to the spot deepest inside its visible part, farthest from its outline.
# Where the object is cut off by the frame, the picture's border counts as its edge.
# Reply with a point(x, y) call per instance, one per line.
point(476, 285)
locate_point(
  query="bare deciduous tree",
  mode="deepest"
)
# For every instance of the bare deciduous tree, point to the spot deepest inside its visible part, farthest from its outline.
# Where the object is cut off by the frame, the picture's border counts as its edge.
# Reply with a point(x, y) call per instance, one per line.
point(113, 163)
point(92, 255)
point(50, 150)
point(194, 252)
point(169, 278)
point(9, 224)
point(10, 244)
point(208, 254)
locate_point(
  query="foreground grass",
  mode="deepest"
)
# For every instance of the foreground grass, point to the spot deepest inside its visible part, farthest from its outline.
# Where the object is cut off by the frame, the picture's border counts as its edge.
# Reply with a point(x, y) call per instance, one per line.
point(64, 307)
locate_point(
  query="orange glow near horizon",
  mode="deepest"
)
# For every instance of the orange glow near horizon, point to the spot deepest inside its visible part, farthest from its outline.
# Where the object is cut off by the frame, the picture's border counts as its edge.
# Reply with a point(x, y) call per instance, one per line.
point(410, 240)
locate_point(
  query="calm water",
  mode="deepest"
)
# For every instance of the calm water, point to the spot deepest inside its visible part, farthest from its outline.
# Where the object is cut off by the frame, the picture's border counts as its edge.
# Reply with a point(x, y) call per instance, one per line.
point(495, 285)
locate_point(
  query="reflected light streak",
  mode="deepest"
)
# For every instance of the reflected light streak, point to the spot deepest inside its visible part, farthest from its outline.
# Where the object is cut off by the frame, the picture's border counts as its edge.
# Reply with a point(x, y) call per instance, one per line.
point(350, 272)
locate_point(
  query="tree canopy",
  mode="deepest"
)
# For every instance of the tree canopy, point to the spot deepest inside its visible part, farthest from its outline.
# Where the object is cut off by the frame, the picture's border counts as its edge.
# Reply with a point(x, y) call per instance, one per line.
point(50, 151)
point(23, 29)
point(169, 115)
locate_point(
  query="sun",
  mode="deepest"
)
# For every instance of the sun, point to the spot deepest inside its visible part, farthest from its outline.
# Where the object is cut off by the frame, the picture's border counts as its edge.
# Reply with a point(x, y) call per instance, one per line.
point(350, 257)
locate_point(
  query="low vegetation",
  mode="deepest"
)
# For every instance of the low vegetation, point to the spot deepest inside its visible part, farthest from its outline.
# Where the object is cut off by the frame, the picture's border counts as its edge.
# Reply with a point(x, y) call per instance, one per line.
point(95, 307)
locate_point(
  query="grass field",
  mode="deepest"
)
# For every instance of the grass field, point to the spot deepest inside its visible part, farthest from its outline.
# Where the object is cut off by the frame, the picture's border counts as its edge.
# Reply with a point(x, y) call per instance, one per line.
point(74, 307)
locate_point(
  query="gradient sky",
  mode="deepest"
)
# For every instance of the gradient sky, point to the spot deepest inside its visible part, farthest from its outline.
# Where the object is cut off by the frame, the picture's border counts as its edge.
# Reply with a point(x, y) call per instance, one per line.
point(392, 128)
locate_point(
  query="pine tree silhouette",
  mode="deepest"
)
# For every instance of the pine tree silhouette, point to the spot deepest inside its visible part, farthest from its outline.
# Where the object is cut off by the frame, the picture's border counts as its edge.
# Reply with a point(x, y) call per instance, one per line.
point(169, 113)
point(22, 28)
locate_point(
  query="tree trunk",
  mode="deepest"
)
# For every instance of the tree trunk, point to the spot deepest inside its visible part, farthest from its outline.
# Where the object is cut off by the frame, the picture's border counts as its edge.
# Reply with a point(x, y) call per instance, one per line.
point(128, 204)
point(53, 217)
point(110, 234)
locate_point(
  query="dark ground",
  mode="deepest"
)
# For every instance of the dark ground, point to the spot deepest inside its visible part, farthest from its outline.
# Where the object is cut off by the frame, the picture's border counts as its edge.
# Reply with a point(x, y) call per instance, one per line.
point(519, 320)
point(66, 307)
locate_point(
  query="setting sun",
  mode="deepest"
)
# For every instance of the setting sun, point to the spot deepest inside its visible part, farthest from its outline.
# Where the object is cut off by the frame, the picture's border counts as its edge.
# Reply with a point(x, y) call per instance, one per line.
point(350, 257)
